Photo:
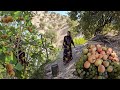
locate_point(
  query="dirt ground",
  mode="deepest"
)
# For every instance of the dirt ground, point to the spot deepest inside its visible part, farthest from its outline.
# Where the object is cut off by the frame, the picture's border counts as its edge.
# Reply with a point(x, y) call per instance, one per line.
point(66, 71)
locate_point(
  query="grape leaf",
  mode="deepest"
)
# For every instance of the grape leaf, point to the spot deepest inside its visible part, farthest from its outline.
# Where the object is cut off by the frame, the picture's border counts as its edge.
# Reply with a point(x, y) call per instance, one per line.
point(2, 57)
point(14, 60)
point(17, 13)
point(7, 58)
point(19, 67)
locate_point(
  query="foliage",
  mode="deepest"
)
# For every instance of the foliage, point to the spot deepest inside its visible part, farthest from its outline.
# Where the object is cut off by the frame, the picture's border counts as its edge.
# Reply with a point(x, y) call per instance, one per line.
point(32, 43)
point(51, 36)
point(38, 73)
point(79, 41)
point(73, 27)
point(91, 22)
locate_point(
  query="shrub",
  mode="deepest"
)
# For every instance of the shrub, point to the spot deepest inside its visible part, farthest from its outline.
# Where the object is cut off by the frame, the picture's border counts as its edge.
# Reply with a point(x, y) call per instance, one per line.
point(79, 41)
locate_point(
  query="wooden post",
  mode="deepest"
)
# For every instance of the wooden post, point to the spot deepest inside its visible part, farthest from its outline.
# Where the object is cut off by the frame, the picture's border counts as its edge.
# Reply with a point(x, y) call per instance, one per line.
point(55, 70)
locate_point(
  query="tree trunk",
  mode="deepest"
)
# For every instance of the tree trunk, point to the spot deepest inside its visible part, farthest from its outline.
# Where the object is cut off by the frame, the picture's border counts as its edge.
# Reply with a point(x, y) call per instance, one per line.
point(46, 52)
point(100, 28)
point(45, 48)
point(98, 31)
point(51, 41)
point(42, 40)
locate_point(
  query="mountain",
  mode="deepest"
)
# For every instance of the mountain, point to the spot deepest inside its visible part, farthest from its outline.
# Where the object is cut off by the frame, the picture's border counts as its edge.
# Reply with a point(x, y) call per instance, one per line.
point(55, 22)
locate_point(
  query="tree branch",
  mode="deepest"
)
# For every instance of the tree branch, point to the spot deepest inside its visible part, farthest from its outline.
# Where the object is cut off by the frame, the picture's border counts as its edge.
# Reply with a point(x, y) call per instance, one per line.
point(100, 28)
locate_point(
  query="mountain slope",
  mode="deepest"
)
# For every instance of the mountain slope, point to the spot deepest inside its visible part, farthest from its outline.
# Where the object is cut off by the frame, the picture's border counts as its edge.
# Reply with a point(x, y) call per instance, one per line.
point(45, 21)
point(65, 71)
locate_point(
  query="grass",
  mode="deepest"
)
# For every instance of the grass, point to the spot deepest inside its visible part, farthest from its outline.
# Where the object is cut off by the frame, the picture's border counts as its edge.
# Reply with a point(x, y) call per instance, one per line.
point(79, 41)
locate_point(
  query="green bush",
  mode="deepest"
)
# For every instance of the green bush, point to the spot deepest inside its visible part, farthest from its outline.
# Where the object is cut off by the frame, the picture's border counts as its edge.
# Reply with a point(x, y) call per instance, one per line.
point(79, 41)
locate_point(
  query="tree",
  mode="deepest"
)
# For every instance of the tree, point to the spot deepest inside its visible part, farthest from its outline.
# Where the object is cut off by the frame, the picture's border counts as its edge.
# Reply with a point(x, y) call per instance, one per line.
point(51, 36)
point(73, 27)
point(93, 22)
point(17, 25)
point(13, 25)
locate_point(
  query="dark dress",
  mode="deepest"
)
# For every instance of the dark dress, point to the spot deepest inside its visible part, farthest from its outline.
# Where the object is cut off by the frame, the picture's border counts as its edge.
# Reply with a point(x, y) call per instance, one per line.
point(67, 54)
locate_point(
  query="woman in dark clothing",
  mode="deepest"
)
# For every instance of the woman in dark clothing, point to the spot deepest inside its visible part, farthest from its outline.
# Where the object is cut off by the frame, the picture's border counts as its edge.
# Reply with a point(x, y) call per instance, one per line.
point(67, 54)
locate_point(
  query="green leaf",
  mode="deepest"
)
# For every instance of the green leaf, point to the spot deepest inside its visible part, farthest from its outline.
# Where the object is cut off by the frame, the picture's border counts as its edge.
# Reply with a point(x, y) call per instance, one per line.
point(12, 28)
point(24, 43)
point(0, 49)
point(11, 57)
point(10, 33)
point(29, 23)
point(2, 57)
point(7, 58)
point(10, 50)
point(0, 33)
point(27, 17)
point(32, 37)
point(4, 31)
point(17, 14)
point(19, 67)
point(14, 60)
point(18, 73)
point(2, 27)
point(34, 55)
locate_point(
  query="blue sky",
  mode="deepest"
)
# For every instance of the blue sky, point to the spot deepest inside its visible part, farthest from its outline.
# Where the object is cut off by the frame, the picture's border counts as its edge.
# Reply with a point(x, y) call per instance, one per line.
point(61, 12)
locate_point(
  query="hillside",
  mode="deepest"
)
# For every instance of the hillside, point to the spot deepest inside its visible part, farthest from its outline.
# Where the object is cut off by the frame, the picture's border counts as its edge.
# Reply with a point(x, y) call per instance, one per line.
point(45, 21)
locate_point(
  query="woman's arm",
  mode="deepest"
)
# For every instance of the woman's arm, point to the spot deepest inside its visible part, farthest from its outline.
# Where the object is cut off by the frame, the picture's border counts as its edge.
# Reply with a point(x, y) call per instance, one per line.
point(72, 42)
point(63, 42)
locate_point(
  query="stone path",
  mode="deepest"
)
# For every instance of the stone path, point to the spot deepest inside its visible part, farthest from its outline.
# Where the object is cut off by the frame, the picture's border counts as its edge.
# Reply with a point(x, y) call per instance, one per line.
point(65, 71)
